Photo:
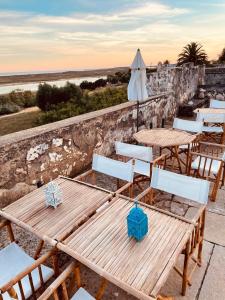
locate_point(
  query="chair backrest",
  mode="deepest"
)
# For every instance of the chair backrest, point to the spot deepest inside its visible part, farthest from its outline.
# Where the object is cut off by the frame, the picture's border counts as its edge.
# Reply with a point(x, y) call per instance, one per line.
point(217, 103)
point(113, 167)
point(186, 125)
point(134, 151)
point(211, 117)
point(180, 185)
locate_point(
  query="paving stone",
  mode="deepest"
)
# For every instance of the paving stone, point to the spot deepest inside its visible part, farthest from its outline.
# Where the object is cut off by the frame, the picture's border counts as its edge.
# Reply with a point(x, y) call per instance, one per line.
point(172, 286)
point(215, 228)
point(213, 287)
point(219, 205)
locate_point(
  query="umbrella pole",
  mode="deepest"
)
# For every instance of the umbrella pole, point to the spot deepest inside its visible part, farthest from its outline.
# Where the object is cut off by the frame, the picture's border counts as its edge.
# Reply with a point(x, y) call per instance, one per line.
point(137, 115)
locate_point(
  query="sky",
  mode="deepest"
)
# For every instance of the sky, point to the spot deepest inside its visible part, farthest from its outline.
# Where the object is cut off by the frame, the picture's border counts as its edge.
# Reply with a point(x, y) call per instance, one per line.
point(87, 34)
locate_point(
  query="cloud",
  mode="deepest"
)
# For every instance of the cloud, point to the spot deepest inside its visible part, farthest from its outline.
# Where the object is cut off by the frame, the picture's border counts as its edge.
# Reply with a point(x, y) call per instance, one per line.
point(145, 9)
point(104, 39)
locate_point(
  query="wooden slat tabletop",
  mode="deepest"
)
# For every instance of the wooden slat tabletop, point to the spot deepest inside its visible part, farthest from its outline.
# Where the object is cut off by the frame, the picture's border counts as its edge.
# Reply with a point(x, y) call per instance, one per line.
point(79, 202)
point(140, 268)
point(164, 137)
point(210, 110)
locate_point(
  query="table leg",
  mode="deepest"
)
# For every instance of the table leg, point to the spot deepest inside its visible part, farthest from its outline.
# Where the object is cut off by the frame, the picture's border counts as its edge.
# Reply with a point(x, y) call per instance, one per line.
point(177, 157)
point(187, 159)
point(185, 268)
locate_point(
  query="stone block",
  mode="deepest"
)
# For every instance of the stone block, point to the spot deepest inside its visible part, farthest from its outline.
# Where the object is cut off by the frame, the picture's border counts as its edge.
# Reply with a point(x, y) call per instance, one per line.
point(215, 228)
point(213, 287)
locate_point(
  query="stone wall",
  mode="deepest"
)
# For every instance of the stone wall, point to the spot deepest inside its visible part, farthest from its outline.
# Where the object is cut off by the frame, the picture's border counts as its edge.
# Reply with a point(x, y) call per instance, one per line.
point(181, 81)
point(66, 147)
point(215, 76)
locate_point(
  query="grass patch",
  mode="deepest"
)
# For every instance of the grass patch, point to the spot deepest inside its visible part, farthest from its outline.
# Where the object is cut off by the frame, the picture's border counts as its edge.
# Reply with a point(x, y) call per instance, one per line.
point(17, 122)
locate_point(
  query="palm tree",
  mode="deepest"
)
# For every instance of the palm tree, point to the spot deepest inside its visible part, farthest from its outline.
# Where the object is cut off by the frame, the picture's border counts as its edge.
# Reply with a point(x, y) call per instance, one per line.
point(192, 52)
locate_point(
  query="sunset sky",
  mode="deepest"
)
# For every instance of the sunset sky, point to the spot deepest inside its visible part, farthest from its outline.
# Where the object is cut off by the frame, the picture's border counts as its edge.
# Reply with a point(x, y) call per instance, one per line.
point(82, 34)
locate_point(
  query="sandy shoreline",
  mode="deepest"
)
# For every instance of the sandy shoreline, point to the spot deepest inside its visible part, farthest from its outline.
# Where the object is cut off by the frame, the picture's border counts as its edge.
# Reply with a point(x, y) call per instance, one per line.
point(29, 78)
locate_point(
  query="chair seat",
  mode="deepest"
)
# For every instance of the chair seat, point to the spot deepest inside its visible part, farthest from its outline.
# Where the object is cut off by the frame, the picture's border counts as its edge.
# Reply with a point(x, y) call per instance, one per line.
point(141, 167)
point(14, 260)
point(212, 129)
point(214, 168)
point(82, 294)
point(184, 147)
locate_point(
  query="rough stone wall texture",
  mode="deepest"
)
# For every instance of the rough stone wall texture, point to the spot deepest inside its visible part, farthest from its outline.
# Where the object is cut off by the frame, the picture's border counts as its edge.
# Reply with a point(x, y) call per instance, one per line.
point(66, 147)
point(181, 81)
point(215, 76)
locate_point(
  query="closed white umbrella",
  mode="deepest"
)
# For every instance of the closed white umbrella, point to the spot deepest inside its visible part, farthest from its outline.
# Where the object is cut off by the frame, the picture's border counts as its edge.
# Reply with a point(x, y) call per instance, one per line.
point(137, 90)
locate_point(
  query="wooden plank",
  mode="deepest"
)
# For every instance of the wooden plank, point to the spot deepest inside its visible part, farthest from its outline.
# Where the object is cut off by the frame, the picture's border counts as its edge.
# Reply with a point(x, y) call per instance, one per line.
point(103, 245)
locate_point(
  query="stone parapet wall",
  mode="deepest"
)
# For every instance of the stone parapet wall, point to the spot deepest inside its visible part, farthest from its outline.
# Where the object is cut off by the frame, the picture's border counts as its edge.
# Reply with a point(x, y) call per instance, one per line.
point(66, 147)
point(181, 81)
point(215, 76)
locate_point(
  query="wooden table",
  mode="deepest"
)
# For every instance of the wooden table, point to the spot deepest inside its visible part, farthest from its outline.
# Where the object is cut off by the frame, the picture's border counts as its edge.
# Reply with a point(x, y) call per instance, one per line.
point(169, 139)
point(140, 268)
point(80, 201)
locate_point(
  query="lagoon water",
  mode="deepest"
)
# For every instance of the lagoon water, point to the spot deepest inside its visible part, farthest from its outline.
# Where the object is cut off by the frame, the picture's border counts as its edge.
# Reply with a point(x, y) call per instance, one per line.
point(7, 88)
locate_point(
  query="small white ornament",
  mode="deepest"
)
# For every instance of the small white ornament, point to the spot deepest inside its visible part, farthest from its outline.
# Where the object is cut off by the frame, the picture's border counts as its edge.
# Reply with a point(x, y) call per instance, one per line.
point(53, 195)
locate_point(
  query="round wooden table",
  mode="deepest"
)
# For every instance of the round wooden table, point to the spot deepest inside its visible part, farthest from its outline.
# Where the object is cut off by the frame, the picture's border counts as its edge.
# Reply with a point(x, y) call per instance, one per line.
point(169, 139)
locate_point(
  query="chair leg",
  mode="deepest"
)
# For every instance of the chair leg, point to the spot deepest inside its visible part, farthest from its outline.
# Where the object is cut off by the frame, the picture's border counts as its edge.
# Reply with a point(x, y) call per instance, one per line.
point(39, 249)
point(101, 289)
point(10, 232)
point(201, 237)
point(216, 185)
point(185, 268)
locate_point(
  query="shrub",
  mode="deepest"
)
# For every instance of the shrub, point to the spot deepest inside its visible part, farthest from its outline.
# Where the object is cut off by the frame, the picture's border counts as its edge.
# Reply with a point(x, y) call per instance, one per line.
point(7, 106)
point(22, 98)
point(47, 96)
point(87, 103)
point(87, 85)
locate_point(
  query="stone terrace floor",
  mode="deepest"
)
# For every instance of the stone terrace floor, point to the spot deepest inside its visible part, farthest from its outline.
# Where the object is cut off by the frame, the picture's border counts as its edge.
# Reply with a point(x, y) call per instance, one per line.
point(208, 282)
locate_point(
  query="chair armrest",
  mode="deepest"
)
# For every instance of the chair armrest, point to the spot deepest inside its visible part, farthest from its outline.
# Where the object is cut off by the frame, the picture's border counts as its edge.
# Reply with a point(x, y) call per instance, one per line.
point(27, 271)
point(155, 161)
point(212, 144)
point(124, 188)
point(206, 156)
point(62, 277)
point(83, 176)
point(144, 193)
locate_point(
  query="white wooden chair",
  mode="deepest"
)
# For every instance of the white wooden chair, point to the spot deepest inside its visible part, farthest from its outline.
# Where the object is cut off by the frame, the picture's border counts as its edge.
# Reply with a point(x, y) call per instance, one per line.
point(142, 156)
point(208, 162)
point(20, 274)
point(68, 286)
point(214, 126)
point(189, 126)
point(189, 188)
point(114, 168)
point(194, 127)
point(216, 103)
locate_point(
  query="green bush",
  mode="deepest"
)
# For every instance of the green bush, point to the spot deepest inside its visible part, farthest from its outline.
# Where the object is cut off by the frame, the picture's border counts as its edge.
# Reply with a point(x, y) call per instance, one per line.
point(48, 96)
point(7, 106)
point(23, 99)
point(87, 103)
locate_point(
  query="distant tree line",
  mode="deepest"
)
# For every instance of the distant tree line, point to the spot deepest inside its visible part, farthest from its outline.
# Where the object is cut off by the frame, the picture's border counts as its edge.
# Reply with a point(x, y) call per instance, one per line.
point(117, 78)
